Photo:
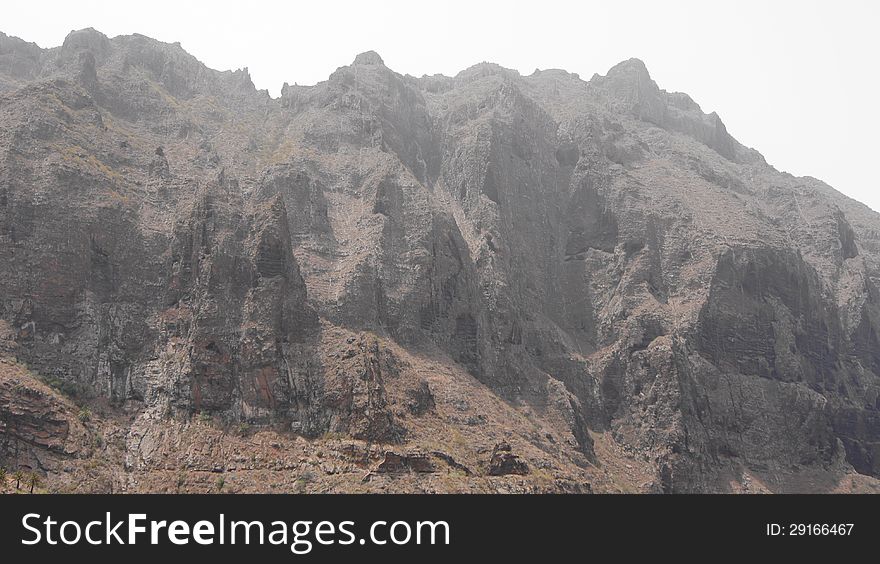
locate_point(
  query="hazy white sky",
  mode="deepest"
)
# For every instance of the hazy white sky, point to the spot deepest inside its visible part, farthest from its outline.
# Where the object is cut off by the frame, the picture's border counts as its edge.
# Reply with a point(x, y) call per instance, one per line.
point(797, 80)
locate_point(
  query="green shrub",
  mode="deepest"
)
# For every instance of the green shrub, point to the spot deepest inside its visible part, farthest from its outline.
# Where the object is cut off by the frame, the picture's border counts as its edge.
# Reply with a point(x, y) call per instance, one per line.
point(34, 481)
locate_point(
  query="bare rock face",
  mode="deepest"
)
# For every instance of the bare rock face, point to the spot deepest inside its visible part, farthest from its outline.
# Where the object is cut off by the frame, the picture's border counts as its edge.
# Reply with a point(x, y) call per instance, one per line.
point(590, 284)
point(37, 427)
point(504, 462)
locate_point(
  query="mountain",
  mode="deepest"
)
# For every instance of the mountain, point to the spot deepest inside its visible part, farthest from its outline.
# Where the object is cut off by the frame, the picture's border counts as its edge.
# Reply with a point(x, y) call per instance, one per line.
point(487, 282)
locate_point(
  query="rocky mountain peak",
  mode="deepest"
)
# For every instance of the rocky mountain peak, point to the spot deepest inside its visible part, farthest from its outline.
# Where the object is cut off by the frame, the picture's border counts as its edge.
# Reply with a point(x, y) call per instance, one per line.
point(369, 58)
point(19, 60)
point(485, 69)
point(632, 68)
point(630, 84)
point(87, 39)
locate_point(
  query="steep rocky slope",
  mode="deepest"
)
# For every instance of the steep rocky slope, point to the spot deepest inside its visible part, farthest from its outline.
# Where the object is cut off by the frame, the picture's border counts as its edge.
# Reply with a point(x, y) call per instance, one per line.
point(490, 282)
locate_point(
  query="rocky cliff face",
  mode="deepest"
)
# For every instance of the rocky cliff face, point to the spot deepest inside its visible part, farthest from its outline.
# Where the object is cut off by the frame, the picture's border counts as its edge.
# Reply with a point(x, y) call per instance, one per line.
point(490, 282)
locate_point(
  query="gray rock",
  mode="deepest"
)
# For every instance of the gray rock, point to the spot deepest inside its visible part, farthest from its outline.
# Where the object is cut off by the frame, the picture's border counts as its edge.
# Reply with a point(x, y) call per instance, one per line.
point(600, 252)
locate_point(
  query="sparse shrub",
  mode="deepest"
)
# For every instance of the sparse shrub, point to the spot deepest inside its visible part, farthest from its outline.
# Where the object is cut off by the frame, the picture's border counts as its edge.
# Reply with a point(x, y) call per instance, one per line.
point(33, 481)
point(2, 477)
point(221, 481)
point(304, 479)
point(68, 389)
point(85, 415)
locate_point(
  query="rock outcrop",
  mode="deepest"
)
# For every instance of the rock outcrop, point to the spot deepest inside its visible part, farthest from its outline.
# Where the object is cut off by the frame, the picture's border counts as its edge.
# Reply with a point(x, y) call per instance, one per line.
point(570, 285)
